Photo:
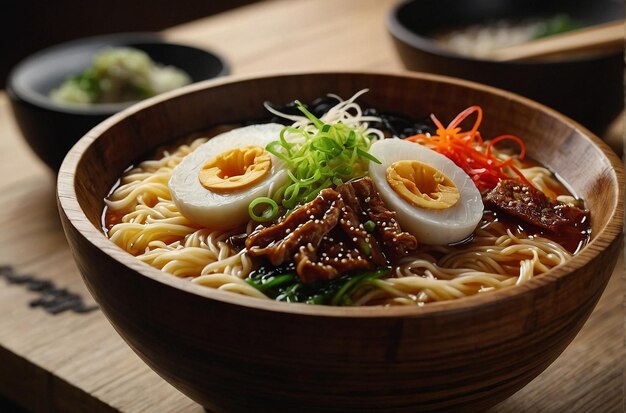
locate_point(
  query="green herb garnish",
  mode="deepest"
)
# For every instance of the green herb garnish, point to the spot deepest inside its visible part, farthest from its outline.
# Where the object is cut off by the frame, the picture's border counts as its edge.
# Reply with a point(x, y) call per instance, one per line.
point(269, 212)
point(322, 156)
point(367, 248)
point(369, 226)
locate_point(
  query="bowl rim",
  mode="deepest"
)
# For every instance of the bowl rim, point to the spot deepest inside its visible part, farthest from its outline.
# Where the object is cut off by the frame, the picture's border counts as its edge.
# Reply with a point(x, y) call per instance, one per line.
point(427, 44)
point(26, 94)
point(75, 216)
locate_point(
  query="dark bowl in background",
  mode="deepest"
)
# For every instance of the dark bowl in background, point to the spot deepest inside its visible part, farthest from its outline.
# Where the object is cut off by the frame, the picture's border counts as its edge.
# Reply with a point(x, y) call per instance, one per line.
point(50, 128)
point(588, 89)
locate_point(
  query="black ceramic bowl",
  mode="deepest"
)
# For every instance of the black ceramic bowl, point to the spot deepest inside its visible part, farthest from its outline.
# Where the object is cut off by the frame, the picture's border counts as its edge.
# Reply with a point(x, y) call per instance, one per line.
point(50, 128)
point(588, 88)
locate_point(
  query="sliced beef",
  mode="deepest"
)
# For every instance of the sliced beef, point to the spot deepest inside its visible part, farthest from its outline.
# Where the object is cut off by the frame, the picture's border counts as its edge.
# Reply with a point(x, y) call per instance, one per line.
point(396, 242)
point(352, 219)
point(305, 225)
point(336, 255)
point(534, 207)
point(328, 236)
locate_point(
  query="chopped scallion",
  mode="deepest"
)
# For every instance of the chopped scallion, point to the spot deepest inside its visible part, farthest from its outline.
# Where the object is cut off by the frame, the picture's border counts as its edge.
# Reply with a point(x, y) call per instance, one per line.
point(268, 213)
point(369, 226)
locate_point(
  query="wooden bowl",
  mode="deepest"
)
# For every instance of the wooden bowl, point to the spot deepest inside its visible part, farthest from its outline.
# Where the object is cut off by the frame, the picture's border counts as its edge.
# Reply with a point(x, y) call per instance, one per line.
point(239, 354)
point(588, 88)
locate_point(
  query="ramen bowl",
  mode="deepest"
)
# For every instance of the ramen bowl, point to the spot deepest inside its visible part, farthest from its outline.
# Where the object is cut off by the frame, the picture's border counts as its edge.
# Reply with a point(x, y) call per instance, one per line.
point(587, 88)
point(51, 128)
point(233, 353)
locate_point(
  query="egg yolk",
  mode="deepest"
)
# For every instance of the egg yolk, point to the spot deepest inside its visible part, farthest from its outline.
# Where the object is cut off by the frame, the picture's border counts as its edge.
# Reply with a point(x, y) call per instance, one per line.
point(422, 185)
point(235, 169)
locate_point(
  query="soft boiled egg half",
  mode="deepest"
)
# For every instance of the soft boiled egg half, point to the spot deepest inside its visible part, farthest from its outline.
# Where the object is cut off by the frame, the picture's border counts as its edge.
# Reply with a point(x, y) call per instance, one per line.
point(434, 199)
point(214, 185)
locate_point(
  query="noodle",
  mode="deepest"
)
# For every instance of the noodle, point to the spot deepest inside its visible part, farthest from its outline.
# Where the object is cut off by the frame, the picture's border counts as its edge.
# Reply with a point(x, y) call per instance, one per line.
point(153, 229)
point(142, 219)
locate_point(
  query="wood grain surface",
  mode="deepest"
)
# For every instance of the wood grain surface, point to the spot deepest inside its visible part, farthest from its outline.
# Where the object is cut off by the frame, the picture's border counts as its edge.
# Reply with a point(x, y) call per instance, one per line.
point(77, 362)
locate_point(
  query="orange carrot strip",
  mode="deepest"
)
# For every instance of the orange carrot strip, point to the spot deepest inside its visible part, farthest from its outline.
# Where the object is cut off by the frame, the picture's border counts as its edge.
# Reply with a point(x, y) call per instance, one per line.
point(469, 152)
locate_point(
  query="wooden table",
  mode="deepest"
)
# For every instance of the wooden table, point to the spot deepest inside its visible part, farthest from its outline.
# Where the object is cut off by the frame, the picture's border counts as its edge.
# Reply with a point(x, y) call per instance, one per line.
point(76, 362)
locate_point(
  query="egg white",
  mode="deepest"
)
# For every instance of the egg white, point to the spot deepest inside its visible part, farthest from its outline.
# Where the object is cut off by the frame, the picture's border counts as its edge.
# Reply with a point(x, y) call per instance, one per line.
point(224, 210)
point(429, 226)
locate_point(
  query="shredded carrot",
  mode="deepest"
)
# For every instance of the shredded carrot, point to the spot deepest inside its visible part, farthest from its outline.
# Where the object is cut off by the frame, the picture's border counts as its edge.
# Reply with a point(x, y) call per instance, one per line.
point(470, 153)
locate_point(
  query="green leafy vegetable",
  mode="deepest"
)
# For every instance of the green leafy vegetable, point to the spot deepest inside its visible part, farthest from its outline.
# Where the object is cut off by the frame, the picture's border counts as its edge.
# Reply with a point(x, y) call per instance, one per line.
point(355, 283)
point(282, 284)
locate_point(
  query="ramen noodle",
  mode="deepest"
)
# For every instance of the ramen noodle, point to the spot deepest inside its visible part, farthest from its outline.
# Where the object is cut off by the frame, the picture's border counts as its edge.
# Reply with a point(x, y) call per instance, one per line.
point(327, 210)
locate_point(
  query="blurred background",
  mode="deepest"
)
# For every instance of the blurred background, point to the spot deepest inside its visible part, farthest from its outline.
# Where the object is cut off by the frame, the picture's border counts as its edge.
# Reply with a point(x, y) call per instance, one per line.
point(32, 25)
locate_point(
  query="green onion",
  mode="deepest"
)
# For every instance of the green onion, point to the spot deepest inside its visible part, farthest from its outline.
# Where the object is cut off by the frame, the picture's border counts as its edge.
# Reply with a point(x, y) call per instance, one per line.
point(268, 213)
point(369, 226)
point(368, 155)
point(331, 154)
point(367, 248)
